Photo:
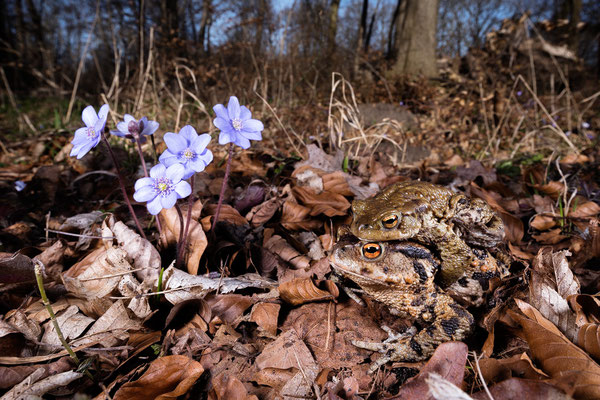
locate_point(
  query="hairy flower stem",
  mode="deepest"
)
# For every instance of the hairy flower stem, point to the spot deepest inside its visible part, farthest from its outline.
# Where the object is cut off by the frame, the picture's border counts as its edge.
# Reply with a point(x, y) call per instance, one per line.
point(179, 242)
point(183, 240)
point(122, 184)
point(141, 153)
point(37, 269)
point(223, 187)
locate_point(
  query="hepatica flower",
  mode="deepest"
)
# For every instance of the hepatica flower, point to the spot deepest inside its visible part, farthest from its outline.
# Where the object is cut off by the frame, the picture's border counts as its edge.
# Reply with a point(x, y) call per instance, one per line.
point(236, 124)
point(87, 138)
point(188, 149)
point(133, 129)
point(162, 188)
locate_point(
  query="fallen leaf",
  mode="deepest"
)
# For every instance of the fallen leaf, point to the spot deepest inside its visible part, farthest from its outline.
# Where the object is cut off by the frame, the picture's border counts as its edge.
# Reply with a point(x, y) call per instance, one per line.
point(585, 210)
point(448, 361)
point(262, 213)
point(516, 388)
point(35, 386)
point(297, 217)
point(229, 307)
point(496, 370)
point(10, 376)
point(330, 204)
point(561, 359)
point(227, 213)
point(278, 245)
point(543, 222)
point(196, 241)
point(265, 315)
point(302, 290)
point(16, 268)
point(588, 338)
point(226, 387)
point(167, 378)
point(72, 323)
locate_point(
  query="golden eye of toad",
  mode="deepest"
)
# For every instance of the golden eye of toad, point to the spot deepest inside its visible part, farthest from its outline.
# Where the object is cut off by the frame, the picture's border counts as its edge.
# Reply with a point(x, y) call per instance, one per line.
point(390, 221)
point(371, 250)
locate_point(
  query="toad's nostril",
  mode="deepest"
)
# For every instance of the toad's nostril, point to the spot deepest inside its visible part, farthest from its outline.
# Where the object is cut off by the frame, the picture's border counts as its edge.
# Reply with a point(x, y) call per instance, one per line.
point(364, 227)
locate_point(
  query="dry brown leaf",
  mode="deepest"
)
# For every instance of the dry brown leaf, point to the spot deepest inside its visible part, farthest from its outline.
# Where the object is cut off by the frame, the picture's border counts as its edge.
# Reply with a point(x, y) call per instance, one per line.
point(72, 323)
point(196, 241)
point(287, 353)
point(297, 217)
point(566, 363)
point(448, 361)
point(10, 376)
point(516, 388)
point(551, 283)
point(335, 182)
point(496, 370)
point(111, 328)
point(227, 387)
point(588, 339)
point(518, 253)
point(543, 222)
point(227, 213)
point(330, 204)
point(262, 213)
point(550, 237)
point(140, 251)
point(302, 290)
point(553, 189)
point(277, 245)
point(585, 210)
point(265, 315)
point(167, 378)
point(573, 158)
point(229, 307)
point(16, 268)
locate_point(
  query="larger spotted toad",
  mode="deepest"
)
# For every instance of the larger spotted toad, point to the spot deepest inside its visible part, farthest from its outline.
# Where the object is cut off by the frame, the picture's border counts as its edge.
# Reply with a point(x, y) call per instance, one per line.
point(433, 215)
point(401, 275)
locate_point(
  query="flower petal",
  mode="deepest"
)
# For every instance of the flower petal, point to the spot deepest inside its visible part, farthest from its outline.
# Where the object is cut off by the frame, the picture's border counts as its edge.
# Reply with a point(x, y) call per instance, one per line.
point(103, 112)
point(183, 189)
point(253, 125)
point(196, 165)
point(117, 133)
point(245, 113)
point(80, 137)
point(188, 172)
point(175, 142)
point(143, 182)
point(150, 127)
point(122, 127)
point(128, 118)
point(242, 142)
point(233, 108)
point(154, 206)
point(84, 149)
point(175, 172)
point(89, 116)
point(221, 111)
point(158, 171)
point(144, 194)
point(251, 135)
point(200, 142)
point(169, 200)
point(224, 137)
point(223, 124)
point(189, 133)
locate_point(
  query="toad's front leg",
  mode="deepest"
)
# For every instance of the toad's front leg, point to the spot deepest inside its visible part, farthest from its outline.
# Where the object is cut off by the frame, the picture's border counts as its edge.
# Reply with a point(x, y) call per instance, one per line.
point(442, 320)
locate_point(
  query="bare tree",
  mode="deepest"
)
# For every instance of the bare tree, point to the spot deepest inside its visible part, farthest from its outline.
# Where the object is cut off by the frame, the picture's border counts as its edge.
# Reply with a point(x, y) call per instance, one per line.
point(415, 38)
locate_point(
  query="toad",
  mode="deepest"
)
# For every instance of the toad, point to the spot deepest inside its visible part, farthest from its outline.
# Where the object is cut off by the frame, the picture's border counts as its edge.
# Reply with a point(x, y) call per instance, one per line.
point(433, 215)
point(401, 275)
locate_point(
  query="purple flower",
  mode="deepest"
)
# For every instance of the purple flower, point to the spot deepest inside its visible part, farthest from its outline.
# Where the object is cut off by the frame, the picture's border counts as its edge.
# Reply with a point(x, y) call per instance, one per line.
point(236, 124)
point(519, 93)
point(132, 129)
point(87, 138)
point(585, 125)
point(188, 149)
point(162, 188)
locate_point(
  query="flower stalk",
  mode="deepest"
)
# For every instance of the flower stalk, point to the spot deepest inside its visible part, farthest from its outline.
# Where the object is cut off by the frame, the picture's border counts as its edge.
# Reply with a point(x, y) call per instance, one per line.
point(223, 187)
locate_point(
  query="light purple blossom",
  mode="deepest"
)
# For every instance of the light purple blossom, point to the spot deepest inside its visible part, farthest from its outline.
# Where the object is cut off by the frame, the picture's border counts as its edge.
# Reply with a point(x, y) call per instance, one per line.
point(133, 129)
point(162, 188)
point(87, 138)
point(519, 93)
point(236, 124)
point(585, 125)
point(188, 149)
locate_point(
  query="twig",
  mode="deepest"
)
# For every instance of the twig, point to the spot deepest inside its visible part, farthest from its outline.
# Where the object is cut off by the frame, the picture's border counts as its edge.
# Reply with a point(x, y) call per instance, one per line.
point(485, 387)
point(223, 187)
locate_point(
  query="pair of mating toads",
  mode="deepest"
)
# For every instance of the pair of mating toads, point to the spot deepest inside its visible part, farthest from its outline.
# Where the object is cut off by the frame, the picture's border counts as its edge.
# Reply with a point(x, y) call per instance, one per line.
point(418, 247)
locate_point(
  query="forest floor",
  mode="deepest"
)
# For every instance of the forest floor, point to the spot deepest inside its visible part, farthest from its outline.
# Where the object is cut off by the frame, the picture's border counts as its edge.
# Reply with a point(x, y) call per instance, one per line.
point(255, 309)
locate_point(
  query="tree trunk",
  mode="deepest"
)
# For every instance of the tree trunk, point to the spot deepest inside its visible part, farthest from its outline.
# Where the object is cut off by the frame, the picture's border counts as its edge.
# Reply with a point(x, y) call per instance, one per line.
point(360, 37)
point(204, 23)
point(333, 20)
point(415, 39)
point(571, 10)
point(391, 48)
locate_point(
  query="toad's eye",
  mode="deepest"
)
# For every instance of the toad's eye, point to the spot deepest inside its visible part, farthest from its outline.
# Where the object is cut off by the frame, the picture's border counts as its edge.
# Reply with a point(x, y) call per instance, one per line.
point(390, 221)
point(371, 250)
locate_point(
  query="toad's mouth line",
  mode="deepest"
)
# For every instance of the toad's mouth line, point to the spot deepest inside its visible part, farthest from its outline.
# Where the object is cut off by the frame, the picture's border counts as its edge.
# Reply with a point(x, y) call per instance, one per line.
point(337, 266)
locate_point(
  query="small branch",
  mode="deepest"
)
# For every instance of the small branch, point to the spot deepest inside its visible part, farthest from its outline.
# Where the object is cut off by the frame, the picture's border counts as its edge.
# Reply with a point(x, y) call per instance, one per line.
point(183, 240)
point(179, 213)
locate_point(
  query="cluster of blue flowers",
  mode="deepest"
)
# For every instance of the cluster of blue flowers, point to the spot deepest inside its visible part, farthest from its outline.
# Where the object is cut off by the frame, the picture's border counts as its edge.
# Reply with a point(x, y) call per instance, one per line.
point(186, 151)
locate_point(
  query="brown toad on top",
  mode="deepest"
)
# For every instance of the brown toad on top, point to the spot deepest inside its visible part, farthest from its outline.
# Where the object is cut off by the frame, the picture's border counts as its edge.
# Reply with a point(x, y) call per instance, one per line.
point(401, 275)
point(428, 213)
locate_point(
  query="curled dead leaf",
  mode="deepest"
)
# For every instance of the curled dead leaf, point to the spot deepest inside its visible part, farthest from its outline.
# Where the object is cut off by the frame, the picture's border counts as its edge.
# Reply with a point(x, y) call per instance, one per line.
point(588, 339)
point(302, 290)
point(265, 315)
point(330, 204)
point(166, 378)
point(278, 245)
point(585, 210)
point(297, 217)
point(227, 213)
point(543, 222)
point(262, 213)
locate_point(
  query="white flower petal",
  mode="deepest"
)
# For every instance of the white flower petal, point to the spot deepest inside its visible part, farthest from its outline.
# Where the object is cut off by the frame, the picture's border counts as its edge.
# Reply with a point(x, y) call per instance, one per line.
point(253, 125)
point(103, 112)
point(224, 137)
point(143, 182)
point(89, 116)
point(150, 127)
point(158, 171)
point(233, 108)
point(144, 194)
point(183, 189)
point(169, 200)
point(175, 172)
point(128, 118)
point(154, 206)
